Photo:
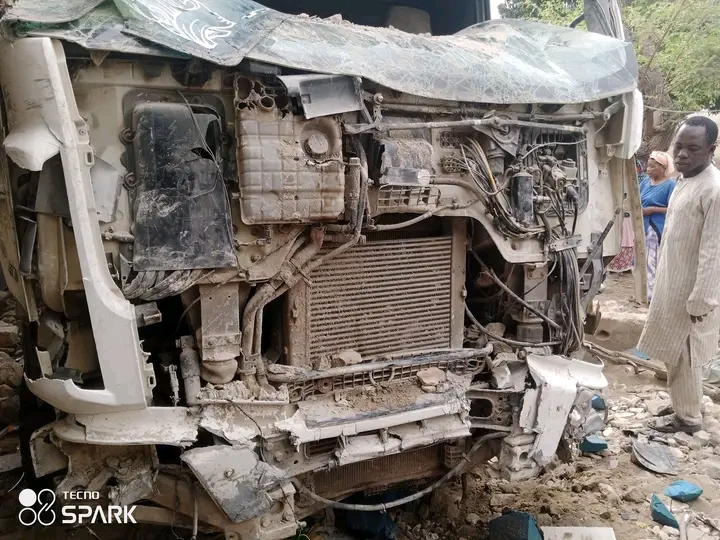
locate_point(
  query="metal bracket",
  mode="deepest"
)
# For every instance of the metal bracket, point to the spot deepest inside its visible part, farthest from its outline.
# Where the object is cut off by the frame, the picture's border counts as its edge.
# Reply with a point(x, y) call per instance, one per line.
point(562, 244)
point(147, 314)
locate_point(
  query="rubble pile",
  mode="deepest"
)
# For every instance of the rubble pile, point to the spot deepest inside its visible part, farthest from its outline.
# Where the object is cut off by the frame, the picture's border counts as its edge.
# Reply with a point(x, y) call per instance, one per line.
point(11, 371)
point(602, 487)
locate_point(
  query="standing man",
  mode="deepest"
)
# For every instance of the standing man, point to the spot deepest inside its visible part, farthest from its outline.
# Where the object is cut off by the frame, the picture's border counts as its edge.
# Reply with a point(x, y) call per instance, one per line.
point(684, 318)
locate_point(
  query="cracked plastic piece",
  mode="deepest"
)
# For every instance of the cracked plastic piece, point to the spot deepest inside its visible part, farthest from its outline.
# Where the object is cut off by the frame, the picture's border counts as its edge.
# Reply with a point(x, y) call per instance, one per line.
point(182, 219)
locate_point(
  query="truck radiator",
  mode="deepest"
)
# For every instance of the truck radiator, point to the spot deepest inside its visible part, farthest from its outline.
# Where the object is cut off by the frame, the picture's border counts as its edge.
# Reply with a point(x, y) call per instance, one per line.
point(386, 296)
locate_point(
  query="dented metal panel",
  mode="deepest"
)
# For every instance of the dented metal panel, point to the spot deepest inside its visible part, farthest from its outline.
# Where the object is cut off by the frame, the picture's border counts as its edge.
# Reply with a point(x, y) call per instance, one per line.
point(235, 478)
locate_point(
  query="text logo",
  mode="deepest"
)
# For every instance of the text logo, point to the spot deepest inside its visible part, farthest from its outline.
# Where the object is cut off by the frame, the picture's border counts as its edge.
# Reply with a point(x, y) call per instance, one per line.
point(45, 515)
point(37, 509)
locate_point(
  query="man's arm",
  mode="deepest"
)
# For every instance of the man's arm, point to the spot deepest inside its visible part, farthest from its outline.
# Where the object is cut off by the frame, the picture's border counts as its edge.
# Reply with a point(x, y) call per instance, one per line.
point(705, 295)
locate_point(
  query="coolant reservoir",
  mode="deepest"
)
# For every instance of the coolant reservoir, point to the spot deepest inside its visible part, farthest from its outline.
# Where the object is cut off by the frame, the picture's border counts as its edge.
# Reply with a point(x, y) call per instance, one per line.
point(290, 169)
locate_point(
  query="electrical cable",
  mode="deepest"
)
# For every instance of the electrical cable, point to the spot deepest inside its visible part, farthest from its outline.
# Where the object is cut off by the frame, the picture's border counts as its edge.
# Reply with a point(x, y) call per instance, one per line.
point(511, 342)
point(512, 294)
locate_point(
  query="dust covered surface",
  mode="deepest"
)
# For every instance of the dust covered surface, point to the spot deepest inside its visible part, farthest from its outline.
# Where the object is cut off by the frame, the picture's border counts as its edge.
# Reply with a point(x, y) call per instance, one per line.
point(400, 395)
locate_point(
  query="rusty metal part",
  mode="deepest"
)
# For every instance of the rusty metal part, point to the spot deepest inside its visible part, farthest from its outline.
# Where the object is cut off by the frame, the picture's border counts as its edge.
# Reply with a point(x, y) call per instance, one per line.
point(511, 342)
point(385, 471)
point(219, 335)
point(499, 283)
point(352, 188)
point(383, 507)
point(177, 493)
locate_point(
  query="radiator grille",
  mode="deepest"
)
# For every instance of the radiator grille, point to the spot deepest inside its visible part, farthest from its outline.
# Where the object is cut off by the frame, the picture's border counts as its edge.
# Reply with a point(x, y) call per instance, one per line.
point(382, 297)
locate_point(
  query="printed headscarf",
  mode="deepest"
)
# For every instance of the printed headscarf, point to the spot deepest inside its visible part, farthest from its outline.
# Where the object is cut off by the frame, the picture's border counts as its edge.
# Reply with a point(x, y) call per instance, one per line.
point(665, 161)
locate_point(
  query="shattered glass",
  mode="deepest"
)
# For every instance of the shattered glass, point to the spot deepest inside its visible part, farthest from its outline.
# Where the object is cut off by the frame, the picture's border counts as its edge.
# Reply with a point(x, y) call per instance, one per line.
point(500, 61)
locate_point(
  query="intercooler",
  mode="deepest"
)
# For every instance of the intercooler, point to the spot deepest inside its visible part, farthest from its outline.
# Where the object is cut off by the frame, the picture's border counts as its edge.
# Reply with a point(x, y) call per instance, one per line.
point(392, 294)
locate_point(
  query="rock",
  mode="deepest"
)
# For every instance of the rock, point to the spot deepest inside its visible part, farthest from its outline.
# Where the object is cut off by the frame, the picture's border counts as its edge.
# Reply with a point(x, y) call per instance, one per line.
point(607, 514)
point(496, 329)
point(8, 335)
point(654, 406)
point(715, 438)
point(703, 437)
point(6, 392)
point(544, 520)
point(693, 533)
point(9, 410)
point(431, 376)
point(635, 496)
point(609, 493)
point(711, 467)
point(670, 531)
point(685, 439)
point(501, 500)
point(663, 395)
point(678, 454)
point(348, 358)
point(472, 519)
point(424, 511)
point(11, 373)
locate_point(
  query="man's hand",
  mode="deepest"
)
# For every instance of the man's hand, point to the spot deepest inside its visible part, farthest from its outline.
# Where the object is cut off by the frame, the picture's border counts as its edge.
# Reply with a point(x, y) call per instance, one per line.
point(648, 211)
point(699, 318)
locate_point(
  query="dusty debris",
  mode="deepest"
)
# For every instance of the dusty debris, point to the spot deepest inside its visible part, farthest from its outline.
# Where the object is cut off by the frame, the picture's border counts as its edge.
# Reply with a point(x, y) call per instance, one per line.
point(711, 467)
point(9, 337)
point(431, 377)
point(703, 437)
point(346, 358)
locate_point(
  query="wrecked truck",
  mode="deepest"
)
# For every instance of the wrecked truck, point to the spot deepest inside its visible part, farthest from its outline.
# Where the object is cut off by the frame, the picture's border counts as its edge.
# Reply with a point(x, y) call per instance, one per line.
point(269, 260)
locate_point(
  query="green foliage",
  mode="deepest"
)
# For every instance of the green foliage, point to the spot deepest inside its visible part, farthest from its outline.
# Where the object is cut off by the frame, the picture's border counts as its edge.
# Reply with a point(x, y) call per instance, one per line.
point(681, 39)
point(559, 12)
point(678, 38)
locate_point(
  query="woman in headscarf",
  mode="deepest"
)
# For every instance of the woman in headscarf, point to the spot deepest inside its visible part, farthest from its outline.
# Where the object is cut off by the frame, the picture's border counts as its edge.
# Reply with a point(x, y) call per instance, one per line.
point(655, 192)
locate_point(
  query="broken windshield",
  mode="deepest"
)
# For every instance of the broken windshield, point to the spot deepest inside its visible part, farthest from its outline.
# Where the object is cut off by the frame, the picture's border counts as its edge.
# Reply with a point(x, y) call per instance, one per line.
point(501, 61)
